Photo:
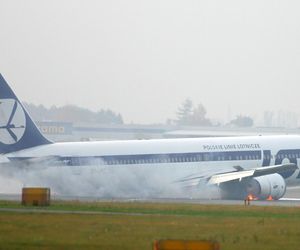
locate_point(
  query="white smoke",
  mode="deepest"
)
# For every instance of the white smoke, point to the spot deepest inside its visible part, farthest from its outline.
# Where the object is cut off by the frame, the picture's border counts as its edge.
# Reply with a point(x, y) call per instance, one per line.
point(102, 182)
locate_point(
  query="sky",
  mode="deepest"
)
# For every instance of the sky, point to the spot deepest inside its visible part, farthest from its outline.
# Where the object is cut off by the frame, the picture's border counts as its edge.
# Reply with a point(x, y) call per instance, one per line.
point(144, 58)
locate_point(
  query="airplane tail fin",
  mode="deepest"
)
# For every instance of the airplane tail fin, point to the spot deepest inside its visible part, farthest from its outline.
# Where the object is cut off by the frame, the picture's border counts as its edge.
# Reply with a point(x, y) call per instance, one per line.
point(17, 130)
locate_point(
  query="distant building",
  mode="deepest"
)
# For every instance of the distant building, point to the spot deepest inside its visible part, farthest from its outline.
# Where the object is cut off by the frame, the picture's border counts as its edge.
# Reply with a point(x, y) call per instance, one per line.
point(66, 131)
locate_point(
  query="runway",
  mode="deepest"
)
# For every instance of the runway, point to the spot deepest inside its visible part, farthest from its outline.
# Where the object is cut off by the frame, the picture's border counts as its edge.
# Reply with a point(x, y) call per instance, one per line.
point(291, 199)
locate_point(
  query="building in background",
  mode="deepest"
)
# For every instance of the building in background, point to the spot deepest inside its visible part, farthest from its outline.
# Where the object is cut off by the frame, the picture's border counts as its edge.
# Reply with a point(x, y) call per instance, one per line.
point(66, 131)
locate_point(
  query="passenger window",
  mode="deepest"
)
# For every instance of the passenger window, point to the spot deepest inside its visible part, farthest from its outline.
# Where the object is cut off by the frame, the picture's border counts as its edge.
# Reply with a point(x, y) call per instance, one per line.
point(206, 157)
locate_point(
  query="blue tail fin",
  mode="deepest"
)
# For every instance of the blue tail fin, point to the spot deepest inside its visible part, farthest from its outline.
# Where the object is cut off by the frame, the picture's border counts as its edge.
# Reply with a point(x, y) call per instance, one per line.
point(17, 130)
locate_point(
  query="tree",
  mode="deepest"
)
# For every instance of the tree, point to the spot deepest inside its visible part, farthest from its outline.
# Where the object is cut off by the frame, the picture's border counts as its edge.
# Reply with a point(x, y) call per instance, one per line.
point(184, 112)
point(242, 121)
point(198, 117)
point(190, 116)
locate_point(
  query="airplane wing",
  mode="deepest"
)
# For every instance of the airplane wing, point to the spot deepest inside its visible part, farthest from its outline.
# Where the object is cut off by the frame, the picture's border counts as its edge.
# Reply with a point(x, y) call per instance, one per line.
point(240, 174)
point(237, 174)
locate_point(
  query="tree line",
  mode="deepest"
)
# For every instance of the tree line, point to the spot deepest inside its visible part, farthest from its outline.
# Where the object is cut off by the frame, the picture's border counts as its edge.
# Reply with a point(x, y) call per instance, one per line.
point(187, 114)
point(72, 113)
point(190, 115)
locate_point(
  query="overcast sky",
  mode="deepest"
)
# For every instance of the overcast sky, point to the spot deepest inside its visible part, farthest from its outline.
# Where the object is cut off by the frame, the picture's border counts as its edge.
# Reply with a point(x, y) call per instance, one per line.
point(143, 58)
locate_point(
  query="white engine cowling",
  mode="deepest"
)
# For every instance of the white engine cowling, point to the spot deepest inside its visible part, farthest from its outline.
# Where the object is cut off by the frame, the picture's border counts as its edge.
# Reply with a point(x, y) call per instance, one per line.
point(265, 186)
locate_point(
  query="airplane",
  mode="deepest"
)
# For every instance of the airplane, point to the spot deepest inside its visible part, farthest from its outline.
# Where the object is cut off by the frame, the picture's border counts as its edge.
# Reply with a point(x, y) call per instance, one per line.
point(256, 166)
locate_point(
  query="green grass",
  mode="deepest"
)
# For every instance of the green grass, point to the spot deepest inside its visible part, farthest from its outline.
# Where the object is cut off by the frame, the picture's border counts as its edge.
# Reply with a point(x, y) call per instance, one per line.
point(235, 227)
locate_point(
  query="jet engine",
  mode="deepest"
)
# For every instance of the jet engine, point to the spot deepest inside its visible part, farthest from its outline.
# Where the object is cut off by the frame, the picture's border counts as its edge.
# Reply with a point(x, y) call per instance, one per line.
point(266, 186)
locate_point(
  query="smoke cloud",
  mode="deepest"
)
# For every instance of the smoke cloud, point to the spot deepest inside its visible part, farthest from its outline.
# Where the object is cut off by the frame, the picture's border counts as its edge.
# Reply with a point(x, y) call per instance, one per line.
point(103, 182)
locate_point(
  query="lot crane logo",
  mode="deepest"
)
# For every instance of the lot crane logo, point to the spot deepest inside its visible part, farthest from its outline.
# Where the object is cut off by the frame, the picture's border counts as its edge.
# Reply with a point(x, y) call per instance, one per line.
point(12, 121)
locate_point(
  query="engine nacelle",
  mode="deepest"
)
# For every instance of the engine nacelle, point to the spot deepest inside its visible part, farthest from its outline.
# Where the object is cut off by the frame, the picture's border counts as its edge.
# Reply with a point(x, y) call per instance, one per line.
point(265, 186)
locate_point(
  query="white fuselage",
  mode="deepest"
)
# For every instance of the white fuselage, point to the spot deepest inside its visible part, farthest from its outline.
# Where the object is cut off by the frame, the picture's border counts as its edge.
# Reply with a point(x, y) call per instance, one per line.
point(176, 158)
